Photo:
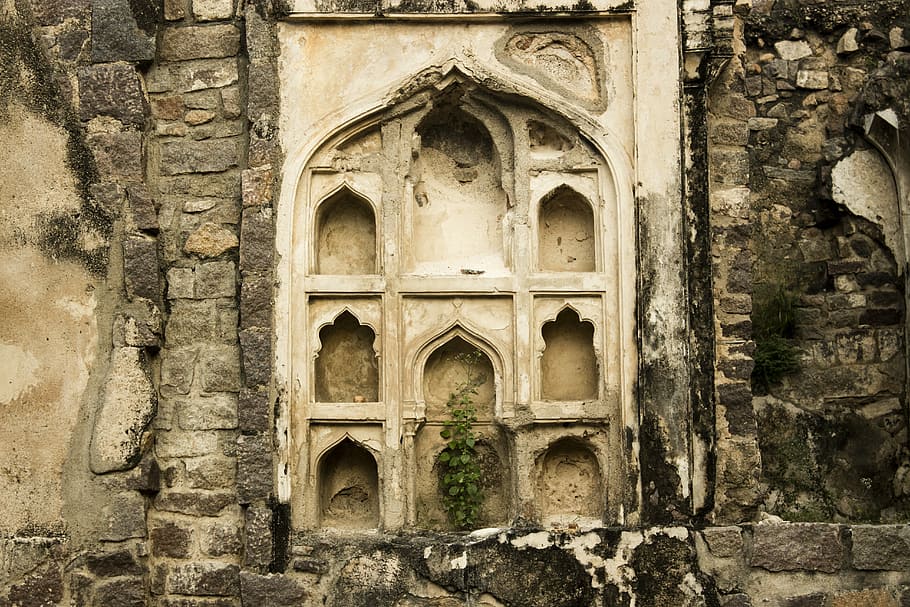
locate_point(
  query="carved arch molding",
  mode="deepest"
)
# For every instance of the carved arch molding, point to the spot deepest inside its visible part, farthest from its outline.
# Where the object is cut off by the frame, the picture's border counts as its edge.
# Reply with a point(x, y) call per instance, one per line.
point(460, 212)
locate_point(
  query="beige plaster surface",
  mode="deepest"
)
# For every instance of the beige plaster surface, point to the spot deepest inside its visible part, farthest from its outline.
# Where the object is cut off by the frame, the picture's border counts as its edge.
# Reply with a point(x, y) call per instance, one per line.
point(48, 333)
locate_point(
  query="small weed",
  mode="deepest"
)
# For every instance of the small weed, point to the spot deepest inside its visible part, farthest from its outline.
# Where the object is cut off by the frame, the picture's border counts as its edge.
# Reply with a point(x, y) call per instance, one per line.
point(461, 493)
point(773, 327)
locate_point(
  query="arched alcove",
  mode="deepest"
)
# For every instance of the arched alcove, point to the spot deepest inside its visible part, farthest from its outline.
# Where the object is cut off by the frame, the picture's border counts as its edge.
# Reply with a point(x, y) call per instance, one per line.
point(565, 231)
point(569, 481)
point(459, 202)
point(348, 487)
point(454, 365)
point(568, 366)
point(346, 369)
point(346, 235)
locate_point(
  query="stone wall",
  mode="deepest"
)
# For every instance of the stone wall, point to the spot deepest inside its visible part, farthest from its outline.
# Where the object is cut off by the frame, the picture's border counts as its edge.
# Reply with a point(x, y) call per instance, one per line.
point(139, 166)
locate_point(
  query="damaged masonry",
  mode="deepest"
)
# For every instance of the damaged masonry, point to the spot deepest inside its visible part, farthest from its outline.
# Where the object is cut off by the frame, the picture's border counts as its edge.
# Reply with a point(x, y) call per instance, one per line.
point(442, 304)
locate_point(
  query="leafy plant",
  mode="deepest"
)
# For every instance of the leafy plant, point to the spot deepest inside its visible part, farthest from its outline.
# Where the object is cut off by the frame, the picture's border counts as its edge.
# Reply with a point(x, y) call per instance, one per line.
point(461, 494)
point(773, 327)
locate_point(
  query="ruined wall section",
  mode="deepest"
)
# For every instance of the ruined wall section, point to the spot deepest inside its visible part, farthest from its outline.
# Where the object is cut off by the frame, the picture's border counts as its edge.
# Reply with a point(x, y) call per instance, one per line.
point(791, 161)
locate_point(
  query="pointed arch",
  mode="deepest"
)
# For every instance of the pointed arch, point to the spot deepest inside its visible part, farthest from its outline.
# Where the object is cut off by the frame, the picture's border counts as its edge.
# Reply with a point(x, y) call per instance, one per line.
point(566, 232)
point(344, 233)
point(570, 481)
point(348, 486)
point(345, 368)
point(569, 369)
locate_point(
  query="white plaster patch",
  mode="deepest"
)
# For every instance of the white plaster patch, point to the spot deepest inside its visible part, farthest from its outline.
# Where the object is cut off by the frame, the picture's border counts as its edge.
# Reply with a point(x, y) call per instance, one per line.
point(539, 540)
point(863, 182)
point(17, 372)
point(427, 552)
point(581, 546)
point(617, 569)
point(460, 562)
point(676, 533)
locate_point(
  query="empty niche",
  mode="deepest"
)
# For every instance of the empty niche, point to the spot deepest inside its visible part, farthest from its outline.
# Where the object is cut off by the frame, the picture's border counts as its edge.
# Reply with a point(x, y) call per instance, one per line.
point(346, 241)
point(568, 366)
point(569, 481)
point(348, 488)
point(346, 369)
point(458, 195)
point(566, 232)
point(454, 365)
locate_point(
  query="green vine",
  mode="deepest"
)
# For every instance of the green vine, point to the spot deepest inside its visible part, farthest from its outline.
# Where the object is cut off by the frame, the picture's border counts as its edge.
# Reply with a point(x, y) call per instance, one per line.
point(461, 494)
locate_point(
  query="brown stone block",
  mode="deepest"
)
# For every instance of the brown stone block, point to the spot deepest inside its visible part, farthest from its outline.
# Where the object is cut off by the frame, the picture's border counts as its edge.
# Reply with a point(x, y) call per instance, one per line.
point(797, 547)
point(257, 240)
point(199, 42)
point(205, 579)
point(195, 503)
point(881, 547)
point(169, 539)
point(220, 370)
point(112, 90)
point(256, 345)
point(257, 537)
point(210, 156)
point(276, 590)
point(118, 154)
point(254, 468)
point(878, 597)
point(140, 268)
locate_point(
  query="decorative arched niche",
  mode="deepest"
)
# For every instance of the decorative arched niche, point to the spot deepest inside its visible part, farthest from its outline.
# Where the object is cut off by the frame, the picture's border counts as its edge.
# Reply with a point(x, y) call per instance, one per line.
point(566, 232)
point(346, 370)
point(458, 205)
point(345, 234)
point(569, 482)
point(348, 482)
point(454, 366)
point(568, 364)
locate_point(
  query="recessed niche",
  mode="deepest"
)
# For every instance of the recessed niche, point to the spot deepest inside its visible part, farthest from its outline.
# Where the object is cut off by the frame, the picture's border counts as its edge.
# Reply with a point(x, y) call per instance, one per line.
point(453, 365)
point(566, 232)
point(346, 369)
point(348, 488)
point(495, 478)
point(346, 241)
point(569, 481)
point(459, 203)
point(568, 366)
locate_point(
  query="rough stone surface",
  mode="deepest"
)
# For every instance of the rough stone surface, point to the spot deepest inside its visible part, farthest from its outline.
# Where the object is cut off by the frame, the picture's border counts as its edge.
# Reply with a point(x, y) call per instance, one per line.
point(199, 42)
point(125, 517)
point(210, 240)
point(125, 592)
point(884, 547)
point(205, 579)
point(257, 537)
point(277, 590)
point(112, 90)
point(210, 156)
point(126, 409)
point(797, 546)
point(115, 34)
point(254, 468)
point(141, 276)
point(211, 10)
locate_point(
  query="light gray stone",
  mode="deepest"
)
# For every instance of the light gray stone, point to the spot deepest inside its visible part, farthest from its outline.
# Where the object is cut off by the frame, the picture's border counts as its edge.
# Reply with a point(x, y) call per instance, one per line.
point(218, 412)
point(127, 407)
point(791, 50)
point(847, 43)
point(180, 283)
point(812, 79)
point(194, 75)
point(211, 10)
point(200, 42)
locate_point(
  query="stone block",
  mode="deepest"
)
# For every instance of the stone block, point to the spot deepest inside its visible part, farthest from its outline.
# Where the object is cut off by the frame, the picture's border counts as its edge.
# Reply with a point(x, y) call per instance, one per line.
point(116, 35)
point(125, 517)
point(167, 108)
point(52, 13)
point(724, 542)
point(262, 95)
point(231, 102)
point(735, 600)
point(210, 156)
point(221, 538)
point(112, 90)
point(193, 75)
point(881, 547)
point(815, 599)
point(260, 35)
point(140, 267)
point(208, 99)
point(212, 10)
point(877, 597)
point(214, 472)
point(204, 579)
point(194, 443)
point(797, 547)
point(256, 302)
point(812, 79)
point(181, 283)
point(118, 154)
point(218, 412)
point(197, 117)
point(275, 589)
point(210, 240)
point(216, 279)
point(190, 322)
point(194, 503)
point(199, 42)
point(220, 370)
point(113, 564)
point(730, 133)
point(127, 406)
point(190, 602)
point(729, 167)
point(257, 186)
point(175, 10)
point(170, 539)
point(254, 468)
point(257, 240)
point(736, 398)
point(256, 346)
point(177, 369)
point(142, 209)
point(257, 537)
point(253, 411)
